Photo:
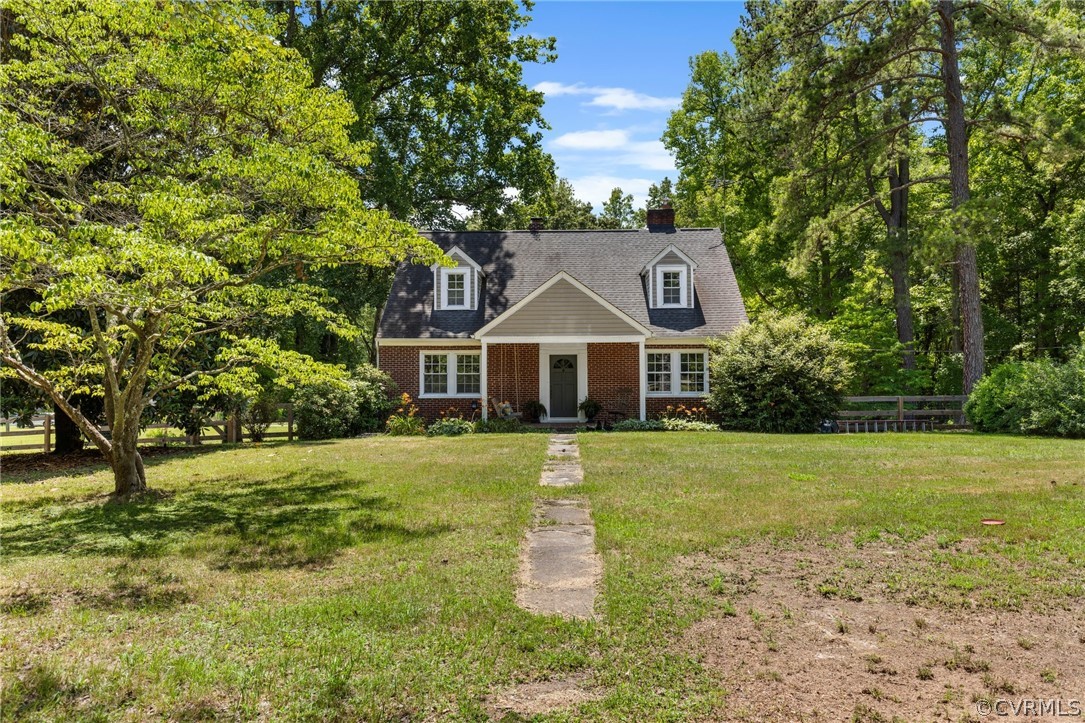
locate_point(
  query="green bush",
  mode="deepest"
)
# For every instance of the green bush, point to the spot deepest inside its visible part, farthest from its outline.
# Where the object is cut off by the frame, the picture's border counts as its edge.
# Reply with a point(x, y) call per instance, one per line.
point(779, 374)
point(1036, 397)
point(677, 424)
point(499, 426)
point(405, 421)
point(331, 408)
point(637, 425)
point(450, 427)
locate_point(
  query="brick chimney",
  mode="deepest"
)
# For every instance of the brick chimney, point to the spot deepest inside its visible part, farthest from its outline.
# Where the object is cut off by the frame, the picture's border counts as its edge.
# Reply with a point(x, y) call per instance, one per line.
point(536, 224)
point(661, 219)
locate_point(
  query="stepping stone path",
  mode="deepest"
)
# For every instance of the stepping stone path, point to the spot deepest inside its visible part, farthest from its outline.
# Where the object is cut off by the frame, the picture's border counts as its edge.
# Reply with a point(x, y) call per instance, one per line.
point(559, 568)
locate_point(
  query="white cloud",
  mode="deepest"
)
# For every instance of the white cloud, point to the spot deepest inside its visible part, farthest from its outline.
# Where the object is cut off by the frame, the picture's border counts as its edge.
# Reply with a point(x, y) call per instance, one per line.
point(592, 140)
point(617, 99)
point(596, 188)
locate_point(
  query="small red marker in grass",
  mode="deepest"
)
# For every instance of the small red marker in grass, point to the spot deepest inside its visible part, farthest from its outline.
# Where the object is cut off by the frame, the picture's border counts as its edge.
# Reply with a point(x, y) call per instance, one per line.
point(992, 521)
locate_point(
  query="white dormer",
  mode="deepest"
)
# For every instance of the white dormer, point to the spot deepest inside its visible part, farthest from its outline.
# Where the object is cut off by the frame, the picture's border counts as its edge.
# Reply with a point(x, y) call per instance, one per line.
point(669, 279)
point(456, 288)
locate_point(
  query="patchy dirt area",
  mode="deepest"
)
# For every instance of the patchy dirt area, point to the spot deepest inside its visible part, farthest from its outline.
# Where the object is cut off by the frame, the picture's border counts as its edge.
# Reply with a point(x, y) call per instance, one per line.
point(537, 698)
point(19, 465)
point(806, 632)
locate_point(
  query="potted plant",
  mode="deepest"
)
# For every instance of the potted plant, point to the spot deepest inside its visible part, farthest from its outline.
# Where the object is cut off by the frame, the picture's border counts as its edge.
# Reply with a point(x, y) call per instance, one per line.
point(533, 410)
point(590, 408)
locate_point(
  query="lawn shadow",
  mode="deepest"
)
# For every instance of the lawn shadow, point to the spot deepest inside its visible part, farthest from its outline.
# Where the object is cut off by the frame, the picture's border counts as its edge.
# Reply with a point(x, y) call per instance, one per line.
point(299, 519)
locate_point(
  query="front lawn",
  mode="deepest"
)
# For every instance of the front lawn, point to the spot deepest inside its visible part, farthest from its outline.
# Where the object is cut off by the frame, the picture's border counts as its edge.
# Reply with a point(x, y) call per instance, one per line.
point(375, 579)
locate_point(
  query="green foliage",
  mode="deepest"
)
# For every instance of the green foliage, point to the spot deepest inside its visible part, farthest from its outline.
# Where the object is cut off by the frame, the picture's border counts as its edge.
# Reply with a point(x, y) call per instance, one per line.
point(589, 407)
point(618, 211)
point(405, 422)
point(450, 427)
point(259, 415)
point(1036, 397)
point(678, 424)
point(779, 374)
point(438, 94)
point(638, 425)
point(140, 220)
point(345, 407)
point(499, 426)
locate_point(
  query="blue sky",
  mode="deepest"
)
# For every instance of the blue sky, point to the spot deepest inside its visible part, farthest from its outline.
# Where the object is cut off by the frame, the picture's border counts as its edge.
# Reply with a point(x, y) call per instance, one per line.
point(621, 69)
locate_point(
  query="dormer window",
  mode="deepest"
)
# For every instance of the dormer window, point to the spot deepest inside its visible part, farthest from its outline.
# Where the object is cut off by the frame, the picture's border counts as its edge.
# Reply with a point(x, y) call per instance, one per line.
point(671, 285)
point(669, 279)
point(455, 289)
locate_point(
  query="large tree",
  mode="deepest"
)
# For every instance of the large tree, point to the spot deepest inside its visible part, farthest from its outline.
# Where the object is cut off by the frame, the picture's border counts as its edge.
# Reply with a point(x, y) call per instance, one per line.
point(157, 160)
point(438, 89)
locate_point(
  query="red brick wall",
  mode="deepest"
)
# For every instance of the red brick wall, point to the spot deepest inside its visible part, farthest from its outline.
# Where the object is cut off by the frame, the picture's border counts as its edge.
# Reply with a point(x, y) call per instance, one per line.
point(614, 376)
point(513, 373)
point(655, 406)
point(401, 363)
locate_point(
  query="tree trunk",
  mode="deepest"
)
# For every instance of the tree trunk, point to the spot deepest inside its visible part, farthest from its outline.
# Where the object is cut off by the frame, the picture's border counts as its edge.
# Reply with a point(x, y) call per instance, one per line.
point(900, 255)
point(965, 251)
point(128, 474)
point(68, 437)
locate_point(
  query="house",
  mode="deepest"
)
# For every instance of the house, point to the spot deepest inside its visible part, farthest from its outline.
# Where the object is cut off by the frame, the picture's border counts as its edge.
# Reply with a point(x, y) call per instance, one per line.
point(558, 316)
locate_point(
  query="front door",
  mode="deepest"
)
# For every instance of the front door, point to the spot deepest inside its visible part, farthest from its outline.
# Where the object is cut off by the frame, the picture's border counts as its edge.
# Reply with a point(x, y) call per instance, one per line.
point(562, 385)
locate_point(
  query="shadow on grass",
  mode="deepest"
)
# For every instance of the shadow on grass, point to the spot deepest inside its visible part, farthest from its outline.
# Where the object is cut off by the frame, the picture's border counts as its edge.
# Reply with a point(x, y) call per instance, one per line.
point(299, 519)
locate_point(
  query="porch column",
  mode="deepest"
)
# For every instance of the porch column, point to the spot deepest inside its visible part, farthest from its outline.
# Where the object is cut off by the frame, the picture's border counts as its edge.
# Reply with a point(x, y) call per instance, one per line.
point(485, 386)
point(642, 363)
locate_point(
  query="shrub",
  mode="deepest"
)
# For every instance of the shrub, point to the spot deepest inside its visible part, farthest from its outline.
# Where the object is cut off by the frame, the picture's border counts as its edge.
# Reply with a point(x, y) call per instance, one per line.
point(405, 421)
point(677, 424)
point(323, 410)
point(1037, 397)
point(637, 425)
point(779, 374)
point(334, 408)
point(260, 414)
point(450, 427)
point(499, 426)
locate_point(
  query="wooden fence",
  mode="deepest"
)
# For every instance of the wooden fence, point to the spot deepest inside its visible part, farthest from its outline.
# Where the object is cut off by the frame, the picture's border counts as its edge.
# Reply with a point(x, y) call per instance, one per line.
point(902, 414)
point(224, 431)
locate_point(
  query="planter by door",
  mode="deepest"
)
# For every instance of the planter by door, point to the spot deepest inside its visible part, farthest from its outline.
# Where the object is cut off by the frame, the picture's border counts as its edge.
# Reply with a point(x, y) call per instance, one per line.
point(563, 385)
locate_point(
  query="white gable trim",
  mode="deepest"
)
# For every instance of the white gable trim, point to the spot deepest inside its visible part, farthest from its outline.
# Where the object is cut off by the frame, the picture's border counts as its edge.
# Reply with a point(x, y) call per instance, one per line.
point(563, 276)
point(462, 255)
point(671, 248)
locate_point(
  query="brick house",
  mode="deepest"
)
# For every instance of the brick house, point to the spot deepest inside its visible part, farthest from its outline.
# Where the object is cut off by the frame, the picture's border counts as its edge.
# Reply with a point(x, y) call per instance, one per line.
point(621, 317)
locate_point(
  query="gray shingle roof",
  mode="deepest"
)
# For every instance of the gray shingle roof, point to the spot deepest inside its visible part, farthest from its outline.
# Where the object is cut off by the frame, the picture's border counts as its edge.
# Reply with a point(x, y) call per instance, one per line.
point(608, 262)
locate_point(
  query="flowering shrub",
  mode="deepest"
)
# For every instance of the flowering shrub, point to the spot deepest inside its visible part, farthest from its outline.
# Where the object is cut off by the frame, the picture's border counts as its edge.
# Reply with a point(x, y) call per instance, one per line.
point(450, 424)
point(405, 421)
point(691, 413)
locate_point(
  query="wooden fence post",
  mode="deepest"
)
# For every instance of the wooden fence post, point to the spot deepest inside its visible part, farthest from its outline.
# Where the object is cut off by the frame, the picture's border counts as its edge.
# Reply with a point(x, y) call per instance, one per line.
point(900, 409)
point(233, 425)
point(290, 423)
point(47, 427)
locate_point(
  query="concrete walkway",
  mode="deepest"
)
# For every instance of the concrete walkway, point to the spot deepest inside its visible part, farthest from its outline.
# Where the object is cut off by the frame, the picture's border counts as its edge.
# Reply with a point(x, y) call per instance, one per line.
point(559, 568)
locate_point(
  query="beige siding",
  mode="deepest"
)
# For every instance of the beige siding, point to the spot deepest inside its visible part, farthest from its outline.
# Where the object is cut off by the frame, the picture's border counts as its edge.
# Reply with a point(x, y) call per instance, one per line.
point(561, 310)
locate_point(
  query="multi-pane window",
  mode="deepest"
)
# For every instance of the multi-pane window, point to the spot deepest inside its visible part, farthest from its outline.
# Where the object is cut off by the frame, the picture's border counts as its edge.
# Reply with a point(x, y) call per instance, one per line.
point(468, 374)
point(672, 287)
point(455, 374)
point(677, 373)
point(659, 372)
point(435, 374)
point(691, 372)
point(456, 289)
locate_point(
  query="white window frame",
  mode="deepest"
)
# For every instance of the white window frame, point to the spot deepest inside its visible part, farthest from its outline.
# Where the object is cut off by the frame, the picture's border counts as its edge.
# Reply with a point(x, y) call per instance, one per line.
point(451, 367)
point(683, 278)
point(465, 272)
point(676, 372)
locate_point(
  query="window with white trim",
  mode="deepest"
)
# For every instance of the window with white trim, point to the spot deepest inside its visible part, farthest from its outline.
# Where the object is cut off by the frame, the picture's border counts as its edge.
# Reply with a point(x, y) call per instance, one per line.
point(671, 286)
point(454, 289)
point(450, 374)
point(677, 373)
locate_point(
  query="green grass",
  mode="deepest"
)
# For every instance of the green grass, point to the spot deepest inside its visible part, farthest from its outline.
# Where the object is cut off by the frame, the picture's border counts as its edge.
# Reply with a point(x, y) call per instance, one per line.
point(374, 579)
